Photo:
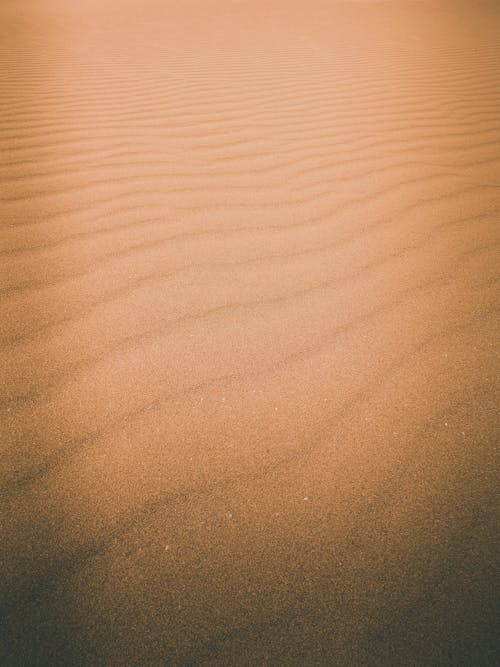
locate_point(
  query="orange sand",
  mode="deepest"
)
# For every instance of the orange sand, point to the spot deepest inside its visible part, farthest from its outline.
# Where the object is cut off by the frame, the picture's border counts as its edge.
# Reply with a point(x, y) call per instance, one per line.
point(249, 362)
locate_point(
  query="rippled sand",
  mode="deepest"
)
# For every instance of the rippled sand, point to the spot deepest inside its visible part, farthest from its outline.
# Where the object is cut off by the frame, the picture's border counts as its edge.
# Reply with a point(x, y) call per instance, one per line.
point(248, 326)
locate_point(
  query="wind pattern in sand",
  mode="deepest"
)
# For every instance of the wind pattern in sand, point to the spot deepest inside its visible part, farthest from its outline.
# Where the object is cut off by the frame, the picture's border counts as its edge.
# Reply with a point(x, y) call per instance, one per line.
point(248, 331)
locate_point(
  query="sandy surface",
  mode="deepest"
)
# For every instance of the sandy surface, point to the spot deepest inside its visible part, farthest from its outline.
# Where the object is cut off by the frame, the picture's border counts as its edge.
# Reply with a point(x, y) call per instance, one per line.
point(249, 363)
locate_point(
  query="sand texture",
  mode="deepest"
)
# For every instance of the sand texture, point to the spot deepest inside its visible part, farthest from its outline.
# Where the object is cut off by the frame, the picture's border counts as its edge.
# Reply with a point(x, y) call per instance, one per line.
point(249, 363)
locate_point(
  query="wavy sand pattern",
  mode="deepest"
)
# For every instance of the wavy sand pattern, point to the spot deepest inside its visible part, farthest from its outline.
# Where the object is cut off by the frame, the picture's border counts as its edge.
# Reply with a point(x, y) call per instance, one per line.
point(248, 332)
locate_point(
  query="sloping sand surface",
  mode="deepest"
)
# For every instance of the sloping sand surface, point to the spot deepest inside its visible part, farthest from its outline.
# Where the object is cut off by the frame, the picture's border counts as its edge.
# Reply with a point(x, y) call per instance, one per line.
point(248, 332)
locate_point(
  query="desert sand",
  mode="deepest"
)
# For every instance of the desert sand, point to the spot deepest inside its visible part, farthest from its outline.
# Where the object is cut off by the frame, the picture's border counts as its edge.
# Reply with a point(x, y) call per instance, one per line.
point(248, 327)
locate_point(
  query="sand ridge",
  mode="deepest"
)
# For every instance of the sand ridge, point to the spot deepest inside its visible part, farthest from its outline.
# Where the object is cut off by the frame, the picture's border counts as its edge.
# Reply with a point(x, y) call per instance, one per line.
point(248, 332)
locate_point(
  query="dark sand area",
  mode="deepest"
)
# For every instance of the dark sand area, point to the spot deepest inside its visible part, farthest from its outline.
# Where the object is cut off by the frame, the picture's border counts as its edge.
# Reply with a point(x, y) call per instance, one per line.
point(249, 362)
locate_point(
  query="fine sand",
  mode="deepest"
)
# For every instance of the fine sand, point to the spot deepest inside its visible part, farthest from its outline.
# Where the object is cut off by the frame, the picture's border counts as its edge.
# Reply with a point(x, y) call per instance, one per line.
point(248, 335)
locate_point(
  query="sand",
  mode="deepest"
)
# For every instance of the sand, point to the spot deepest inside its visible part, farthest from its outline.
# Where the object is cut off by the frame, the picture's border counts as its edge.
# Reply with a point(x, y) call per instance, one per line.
point(248, 326)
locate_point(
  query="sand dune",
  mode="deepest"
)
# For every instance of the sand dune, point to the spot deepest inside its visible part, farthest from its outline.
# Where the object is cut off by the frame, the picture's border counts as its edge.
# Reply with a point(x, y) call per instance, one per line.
point(248, 332)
